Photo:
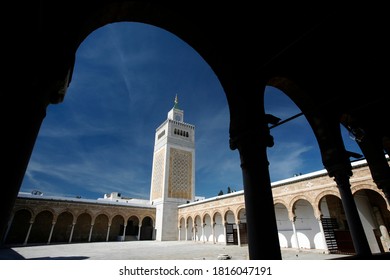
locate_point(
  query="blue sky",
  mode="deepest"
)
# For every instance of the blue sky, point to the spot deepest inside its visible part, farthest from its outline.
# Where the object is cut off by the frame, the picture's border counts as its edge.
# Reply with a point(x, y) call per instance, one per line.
point(101, 138)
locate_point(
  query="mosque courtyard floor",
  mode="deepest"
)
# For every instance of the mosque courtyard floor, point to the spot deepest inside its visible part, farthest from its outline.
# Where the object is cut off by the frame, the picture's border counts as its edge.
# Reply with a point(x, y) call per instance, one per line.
point(147, 250)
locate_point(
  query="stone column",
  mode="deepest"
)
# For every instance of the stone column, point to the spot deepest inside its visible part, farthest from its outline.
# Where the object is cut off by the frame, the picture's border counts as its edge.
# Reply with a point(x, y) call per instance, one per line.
point(28, 233)
point(108, 232)
point(385, 238)
point(295, 232)
point(213, 232)
point(259, 207)
point(179, 230)
point(323, 234)
point(71, 233)
point(186, 232)
point(8, 228)
point(90, 233)
point(224, 232)
point(238, 234)
point(51, 232)
point(139, 232)
point(341, 176)
point(124, 232)
point(203, 233)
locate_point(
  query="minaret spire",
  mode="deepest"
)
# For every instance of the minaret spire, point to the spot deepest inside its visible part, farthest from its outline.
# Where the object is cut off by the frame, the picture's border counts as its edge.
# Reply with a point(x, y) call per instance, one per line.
point(176, 106)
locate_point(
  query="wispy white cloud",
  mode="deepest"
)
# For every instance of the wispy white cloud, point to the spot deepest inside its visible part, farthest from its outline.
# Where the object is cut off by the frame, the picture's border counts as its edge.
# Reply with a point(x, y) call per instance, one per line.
point(287, 159)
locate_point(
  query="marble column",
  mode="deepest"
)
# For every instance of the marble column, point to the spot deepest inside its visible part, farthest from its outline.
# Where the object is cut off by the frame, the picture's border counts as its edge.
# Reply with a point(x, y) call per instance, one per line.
point(28, 233)
point(71, 233)
point(90, 233)
point(124, 232)
point(295, 233)
point(224, 232)
point(238, 234)
point(139, 232)
point(51, 232)
point(108, 232)
point(8, 228)
point(341, 176)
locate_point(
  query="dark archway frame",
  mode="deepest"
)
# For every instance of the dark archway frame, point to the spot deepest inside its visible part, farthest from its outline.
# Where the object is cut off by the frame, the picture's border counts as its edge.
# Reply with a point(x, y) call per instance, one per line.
point(331, 63)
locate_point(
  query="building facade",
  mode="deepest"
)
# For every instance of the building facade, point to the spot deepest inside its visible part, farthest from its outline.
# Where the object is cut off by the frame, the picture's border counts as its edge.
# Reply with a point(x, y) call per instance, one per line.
point(308, 207)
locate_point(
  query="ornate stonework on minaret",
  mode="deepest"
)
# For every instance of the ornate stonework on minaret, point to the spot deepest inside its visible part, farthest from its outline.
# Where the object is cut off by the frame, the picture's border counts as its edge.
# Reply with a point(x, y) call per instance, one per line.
point(173, 171)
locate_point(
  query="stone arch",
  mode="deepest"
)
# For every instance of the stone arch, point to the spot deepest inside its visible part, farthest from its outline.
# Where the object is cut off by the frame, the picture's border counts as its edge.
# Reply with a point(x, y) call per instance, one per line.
point(219, 226)
point(100, 227)
point(308, 232)
point(319, 197)
point(151, 217)
point(198, 228)
point(147, 228)
point(133, 217)
point(29, 209)
point(70, 211)
point(240, 211)
point(229, 216)
point(43, 209)
point(133, 224)
point(94, 217)
point(40, 230)
point(215, 213)
point(19, 227)
point(190, 227)
point(117, 228)
point(284, 225)
point(207, 227)
point(82, 227)
point(206, 214)
point(179, 221)
point(292, 203)
point(326, 130)
point(242, 225)
point(63, 227)
point(231, 229)
point(372, 187)
point(182, 228)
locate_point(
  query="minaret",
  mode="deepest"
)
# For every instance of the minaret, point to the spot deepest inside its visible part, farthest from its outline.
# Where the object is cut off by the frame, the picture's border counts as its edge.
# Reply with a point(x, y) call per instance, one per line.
point(173, 171)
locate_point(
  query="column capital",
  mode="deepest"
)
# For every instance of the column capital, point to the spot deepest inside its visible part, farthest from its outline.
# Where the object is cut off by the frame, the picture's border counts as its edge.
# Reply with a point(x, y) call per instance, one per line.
point(255, 132)
point(341, 172)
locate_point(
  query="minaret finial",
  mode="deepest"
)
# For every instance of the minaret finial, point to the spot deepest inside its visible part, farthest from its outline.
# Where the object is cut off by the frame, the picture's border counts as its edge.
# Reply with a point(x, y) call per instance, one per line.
point(176, 106)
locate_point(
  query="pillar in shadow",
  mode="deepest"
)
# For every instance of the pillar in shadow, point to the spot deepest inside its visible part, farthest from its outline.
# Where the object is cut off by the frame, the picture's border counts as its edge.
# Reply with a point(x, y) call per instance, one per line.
point(341, 173)
point(249, 134)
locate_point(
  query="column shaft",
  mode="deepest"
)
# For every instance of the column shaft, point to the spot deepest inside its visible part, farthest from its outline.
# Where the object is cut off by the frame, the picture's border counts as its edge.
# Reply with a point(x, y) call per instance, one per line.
point(90, 233)
point(28, 234)
point(108, 233)
point(263, 241)
point(71, 233)
point(238, 234)
point(323, 234)
point(51, 233)
point(295, 233)
point(359, 238)
point(139, 232)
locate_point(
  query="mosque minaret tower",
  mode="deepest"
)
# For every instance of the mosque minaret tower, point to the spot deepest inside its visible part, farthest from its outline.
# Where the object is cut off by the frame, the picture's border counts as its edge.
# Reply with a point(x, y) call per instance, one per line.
point(173, 171)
